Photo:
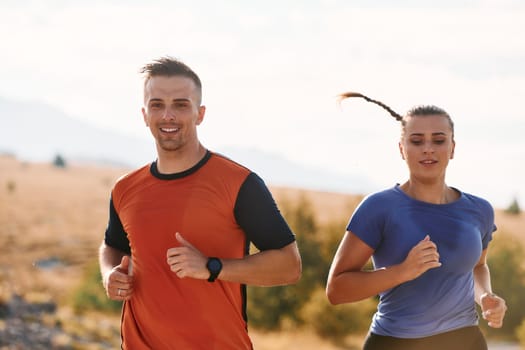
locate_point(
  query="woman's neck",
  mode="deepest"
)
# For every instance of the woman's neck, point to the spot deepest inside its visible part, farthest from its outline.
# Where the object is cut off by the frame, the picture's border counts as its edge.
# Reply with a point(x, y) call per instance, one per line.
point(435, 193)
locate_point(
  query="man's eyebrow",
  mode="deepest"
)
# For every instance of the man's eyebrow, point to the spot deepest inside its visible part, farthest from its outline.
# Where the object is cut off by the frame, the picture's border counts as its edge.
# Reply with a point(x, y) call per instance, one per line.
point(182, 99)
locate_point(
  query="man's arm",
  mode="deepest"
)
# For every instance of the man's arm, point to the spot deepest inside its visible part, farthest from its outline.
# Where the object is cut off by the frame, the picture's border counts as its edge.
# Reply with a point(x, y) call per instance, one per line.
point(115, 268)
point(277, 262)
point(266, 268)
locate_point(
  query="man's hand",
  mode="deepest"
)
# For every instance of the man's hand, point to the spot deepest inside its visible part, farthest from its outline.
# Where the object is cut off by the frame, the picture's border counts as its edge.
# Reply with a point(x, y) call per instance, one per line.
point(119, 281)
point(186, 260)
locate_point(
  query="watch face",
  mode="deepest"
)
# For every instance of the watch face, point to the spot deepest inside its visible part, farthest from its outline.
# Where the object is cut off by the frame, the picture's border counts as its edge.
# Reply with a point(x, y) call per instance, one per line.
point(214, 265)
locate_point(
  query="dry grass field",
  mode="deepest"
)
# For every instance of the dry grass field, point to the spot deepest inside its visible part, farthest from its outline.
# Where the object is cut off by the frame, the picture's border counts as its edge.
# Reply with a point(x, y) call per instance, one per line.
point(51, 215)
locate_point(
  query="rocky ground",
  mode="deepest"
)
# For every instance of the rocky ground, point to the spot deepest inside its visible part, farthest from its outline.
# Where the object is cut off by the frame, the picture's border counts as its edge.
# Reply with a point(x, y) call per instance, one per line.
point(27, 325)
point(23, 325)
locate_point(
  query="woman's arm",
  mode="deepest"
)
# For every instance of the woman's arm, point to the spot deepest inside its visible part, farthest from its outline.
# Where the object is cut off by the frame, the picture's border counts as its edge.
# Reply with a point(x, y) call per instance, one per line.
point(348, 282)
point(493, 307)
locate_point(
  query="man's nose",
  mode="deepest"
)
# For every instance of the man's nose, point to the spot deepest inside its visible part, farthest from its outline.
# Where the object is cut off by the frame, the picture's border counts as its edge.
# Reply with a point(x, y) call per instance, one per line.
point(168, 114)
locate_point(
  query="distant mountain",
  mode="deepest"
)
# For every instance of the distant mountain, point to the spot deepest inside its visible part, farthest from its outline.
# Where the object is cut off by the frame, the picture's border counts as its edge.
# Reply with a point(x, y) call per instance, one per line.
point(38, 132)
point(280, 171)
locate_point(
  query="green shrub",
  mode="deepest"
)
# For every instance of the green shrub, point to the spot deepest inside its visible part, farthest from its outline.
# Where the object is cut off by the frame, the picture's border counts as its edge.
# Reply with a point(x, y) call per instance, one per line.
point(513, 208)
point(90, 294)
point(336, 322)
point(505, 260)
point(520, 334)
point(268, 307)
point(59, 161)
point(11, 186)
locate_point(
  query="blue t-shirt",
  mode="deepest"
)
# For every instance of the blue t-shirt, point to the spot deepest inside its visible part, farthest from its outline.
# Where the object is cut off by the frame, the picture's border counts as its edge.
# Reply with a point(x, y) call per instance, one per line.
point(441, 299)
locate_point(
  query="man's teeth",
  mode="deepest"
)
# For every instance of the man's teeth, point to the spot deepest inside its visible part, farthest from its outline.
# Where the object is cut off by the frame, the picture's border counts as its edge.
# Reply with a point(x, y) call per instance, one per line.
point(169, 129)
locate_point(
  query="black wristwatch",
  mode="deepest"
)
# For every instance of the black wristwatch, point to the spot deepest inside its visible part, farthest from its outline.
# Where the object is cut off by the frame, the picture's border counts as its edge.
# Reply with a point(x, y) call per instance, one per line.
point(214, 265)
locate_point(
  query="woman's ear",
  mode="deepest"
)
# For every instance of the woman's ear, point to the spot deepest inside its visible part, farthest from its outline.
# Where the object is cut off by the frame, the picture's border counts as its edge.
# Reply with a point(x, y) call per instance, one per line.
point(401, 150)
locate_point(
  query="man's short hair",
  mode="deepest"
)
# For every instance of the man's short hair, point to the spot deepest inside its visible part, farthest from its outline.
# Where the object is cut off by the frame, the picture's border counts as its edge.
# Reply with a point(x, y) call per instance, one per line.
point(168, 67)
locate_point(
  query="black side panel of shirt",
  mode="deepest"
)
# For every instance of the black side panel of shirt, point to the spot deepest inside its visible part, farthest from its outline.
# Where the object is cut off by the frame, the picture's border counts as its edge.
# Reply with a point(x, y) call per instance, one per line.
point(115, 236)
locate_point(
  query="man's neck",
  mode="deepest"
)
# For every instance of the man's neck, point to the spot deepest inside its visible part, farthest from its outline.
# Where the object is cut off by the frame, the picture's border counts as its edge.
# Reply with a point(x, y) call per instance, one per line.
point(171, 162)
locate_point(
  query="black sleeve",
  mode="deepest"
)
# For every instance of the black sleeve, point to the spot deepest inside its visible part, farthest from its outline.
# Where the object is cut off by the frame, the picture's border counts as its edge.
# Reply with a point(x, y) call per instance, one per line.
point(257, 214)
point(115, 236)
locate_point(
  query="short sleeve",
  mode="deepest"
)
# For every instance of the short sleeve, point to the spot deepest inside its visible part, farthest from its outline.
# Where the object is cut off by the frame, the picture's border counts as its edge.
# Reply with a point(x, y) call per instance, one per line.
point(489, 227)
point(367, 221)
point(258, 215)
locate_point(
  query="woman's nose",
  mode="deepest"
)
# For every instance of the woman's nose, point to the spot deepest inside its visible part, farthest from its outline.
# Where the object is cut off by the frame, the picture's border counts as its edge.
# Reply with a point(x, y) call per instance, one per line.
point(428, 147)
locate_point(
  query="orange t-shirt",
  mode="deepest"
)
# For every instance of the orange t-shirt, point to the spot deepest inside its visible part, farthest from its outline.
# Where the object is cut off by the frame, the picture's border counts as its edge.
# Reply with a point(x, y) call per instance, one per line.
point(167, 312)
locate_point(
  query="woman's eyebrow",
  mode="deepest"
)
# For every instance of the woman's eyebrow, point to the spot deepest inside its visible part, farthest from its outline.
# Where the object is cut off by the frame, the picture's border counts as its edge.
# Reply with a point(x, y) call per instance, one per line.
point(439, 133)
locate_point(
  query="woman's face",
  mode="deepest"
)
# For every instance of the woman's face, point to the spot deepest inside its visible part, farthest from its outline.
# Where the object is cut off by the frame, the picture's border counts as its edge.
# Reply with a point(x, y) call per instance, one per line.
point(427, 145)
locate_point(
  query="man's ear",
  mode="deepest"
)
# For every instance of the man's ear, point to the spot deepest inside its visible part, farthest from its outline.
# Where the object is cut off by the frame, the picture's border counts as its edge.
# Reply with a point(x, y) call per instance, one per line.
point(145, 116)
point(202, 111)
point(453, 148)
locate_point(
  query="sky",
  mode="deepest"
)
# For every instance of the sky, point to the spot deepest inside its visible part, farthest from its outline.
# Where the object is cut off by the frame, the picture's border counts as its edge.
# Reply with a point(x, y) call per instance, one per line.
point(271, 71)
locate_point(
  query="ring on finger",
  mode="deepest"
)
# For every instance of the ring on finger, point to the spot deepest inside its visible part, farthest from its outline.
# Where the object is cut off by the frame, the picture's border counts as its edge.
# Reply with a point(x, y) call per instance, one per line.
point(118, 292)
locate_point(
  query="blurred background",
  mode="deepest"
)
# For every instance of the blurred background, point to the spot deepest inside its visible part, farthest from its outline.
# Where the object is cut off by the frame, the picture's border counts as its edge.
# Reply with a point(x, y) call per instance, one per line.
point(70, 124)
point(271, 71)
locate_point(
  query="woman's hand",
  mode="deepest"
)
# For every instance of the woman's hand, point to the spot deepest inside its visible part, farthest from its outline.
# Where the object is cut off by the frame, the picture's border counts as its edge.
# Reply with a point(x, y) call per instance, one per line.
point(493, 309)
point(421, 258)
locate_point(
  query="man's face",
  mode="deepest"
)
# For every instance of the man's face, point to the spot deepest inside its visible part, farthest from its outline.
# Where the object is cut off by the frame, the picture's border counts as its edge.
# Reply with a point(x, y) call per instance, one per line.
point(172, 111)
